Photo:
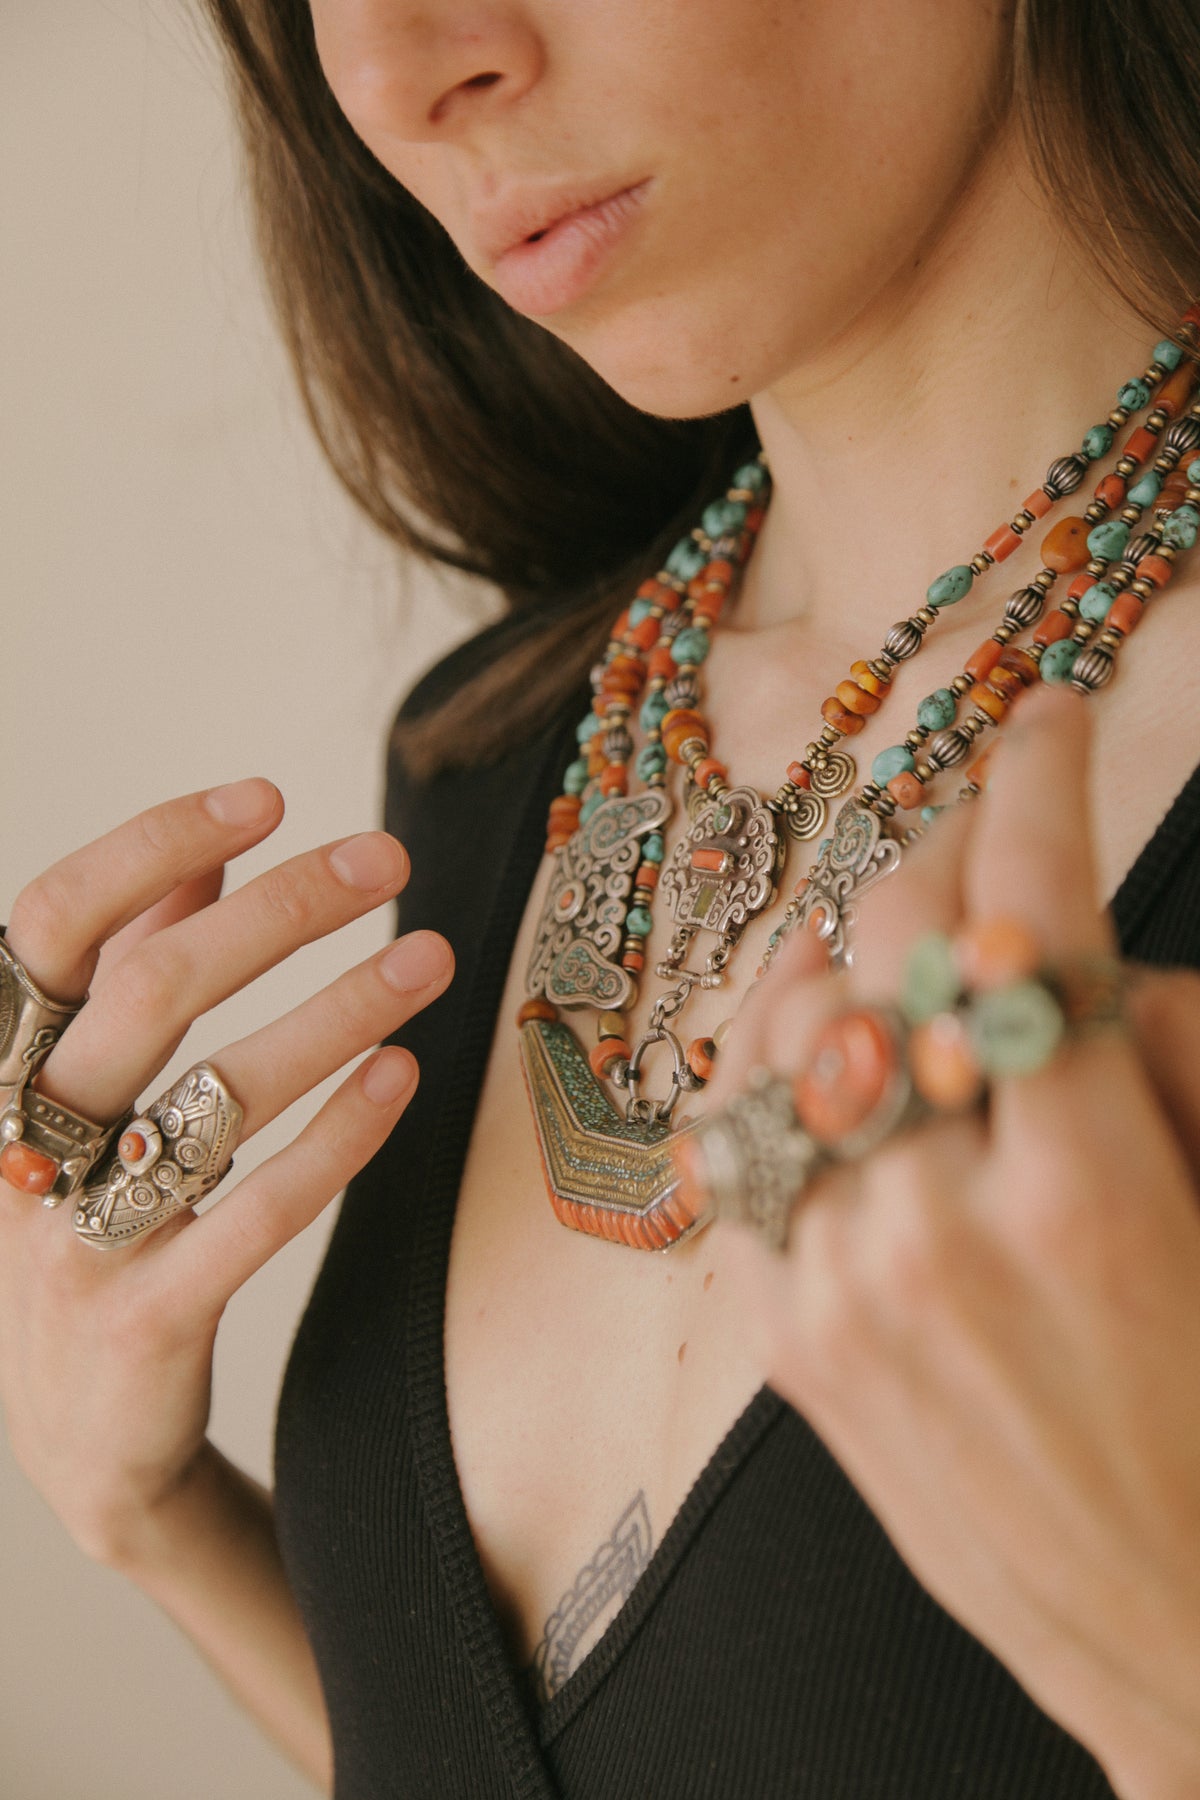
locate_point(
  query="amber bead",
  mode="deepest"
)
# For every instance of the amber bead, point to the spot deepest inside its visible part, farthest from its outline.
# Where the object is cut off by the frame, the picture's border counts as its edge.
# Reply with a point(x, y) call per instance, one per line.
point(1005, 683)
point(1111, 492)
point(1064, 546)
point(682, 726)
point(646, 634)
point(27, 1169)
point(1176, 390)
point(565, 806)
point(856, 699)
point(625, 676)
point(615, 779)
point(537, 1009)
point(1141, 443)
point(1125, 614)
point(839, 716)
point(1156, 569)
point(867, 679)
point(988, 700)
point(707, 769)
point(1054, 626)
point(907, 789)
point(851, 1070)
point(981, 662)
point(701, 1057)
point(621, 626)
point(992, 952)
point(1003, 541)
point(1021, 664)
point(943, 1069)
point(556, 839)
point(604, 1055)
point(597, 762)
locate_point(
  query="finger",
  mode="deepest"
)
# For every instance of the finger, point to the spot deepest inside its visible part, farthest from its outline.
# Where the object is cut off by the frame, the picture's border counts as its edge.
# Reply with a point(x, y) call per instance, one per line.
point(188, 897)
point(126, 1033)
point(288, 1191)
point(1165, 1013)
point(1031, 853)
point(274, 1066)
point(57, 924)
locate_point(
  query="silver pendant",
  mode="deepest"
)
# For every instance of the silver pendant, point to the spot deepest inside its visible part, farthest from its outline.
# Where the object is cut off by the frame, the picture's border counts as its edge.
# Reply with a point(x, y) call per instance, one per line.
point(582, 928)
point(804, 817)
point(832, 774)
point(853, 860)
point(725, 870)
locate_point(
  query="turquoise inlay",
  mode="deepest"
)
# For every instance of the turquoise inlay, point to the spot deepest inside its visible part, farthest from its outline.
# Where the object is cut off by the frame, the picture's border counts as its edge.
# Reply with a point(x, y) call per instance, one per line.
point(589, 806)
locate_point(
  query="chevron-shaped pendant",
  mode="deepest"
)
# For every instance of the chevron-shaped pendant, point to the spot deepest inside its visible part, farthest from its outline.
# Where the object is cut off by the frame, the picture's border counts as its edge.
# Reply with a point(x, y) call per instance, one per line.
point(608, 1175)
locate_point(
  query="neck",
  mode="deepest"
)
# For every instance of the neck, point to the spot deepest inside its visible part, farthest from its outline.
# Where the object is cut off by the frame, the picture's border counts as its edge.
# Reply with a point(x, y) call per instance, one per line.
point(899, 444)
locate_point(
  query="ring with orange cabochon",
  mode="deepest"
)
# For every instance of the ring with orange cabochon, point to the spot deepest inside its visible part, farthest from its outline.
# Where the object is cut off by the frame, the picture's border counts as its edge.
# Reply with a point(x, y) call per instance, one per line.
point(973, 1009)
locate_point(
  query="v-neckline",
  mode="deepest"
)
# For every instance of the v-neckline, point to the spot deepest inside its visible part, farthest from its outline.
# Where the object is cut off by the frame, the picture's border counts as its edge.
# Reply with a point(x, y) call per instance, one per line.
point(522, 1729)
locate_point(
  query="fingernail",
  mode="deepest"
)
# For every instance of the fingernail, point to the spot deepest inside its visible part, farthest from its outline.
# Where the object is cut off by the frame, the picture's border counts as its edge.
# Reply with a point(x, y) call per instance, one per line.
point(371, 861)
point(242, 802)
point(387, 1076)
point(415, 962)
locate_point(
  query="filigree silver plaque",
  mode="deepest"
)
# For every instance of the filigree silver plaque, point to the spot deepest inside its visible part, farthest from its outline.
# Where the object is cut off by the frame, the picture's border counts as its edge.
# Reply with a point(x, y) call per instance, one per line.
point(853, 860)
point(726, 869)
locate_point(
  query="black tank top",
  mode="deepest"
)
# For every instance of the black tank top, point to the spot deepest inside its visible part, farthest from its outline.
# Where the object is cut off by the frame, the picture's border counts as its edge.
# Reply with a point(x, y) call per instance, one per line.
point(776, 1647)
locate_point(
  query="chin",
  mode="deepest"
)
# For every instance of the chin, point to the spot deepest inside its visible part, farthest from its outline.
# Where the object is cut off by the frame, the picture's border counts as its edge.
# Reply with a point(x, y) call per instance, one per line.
point(672, 366)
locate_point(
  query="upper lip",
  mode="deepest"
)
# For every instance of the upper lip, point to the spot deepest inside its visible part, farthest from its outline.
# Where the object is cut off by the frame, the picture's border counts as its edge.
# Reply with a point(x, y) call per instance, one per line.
point(524, 212)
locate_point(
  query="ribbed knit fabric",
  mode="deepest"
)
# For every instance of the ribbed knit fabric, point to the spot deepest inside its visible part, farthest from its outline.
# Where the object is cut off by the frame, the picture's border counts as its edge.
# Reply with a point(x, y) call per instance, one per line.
point(776, 1647)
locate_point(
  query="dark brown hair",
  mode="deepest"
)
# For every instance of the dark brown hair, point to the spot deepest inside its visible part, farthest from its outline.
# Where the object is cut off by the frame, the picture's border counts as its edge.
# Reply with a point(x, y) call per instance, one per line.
point(474, 437)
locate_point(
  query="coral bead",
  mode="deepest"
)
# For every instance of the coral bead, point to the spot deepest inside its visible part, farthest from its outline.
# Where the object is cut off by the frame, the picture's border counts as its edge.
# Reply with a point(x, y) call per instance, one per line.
point(907, 790)
point(851, 1071)
point(1064, 546)
point(1054, 626)
point(981, 662)
point(26, 1169)
point(1038, 503)
point(1125, 614)
point(614, 779)
point(798, 775)
point(1111, 492)
point(943, 1065)
point(604, 1056)
point(701, 1057)
point(710, 769)
point(1176, 390)
point(537, 1009)
point(992, 952)
point(1002, 542)
point(1141, 443)
point(1157, 569)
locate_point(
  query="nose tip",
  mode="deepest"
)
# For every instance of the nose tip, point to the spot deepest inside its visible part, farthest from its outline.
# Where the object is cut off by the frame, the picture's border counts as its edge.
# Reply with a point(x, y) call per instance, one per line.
point(414, 72)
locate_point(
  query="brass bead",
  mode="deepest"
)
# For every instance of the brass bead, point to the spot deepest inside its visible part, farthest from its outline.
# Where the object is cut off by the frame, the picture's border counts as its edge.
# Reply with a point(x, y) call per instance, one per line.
point(981, 562)
point(960, 685)
point(1142, 588)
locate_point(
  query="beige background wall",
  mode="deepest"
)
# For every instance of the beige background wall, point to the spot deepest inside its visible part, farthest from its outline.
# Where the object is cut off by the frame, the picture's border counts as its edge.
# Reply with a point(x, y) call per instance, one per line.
point(185, 597)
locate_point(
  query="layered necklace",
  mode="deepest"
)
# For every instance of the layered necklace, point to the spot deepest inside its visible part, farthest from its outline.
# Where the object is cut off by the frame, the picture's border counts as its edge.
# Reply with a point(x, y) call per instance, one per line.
point(604, 1142)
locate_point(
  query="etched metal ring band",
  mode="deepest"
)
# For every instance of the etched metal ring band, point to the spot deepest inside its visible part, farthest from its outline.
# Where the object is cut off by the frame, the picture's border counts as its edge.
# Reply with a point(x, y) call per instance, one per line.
point(166, 1158)
point(46, 1149)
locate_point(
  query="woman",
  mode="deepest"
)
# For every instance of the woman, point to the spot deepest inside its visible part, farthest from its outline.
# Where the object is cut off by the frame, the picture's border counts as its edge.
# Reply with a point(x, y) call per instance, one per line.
point(640, 1571)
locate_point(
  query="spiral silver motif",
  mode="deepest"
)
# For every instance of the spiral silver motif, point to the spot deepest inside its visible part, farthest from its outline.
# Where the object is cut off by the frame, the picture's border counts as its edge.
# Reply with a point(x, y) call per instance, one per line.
point(904, 639)
point(834, 775)
point(1065, 475)
point(806, 818)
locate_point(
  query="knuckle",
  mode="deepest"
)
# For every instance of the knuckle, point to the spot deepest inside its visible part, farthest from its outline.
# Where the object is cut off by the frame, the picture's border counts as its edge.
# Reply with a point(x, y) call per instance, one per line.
point(44, 914)
point(148, 984)
point(287, 898)
point(157, 834)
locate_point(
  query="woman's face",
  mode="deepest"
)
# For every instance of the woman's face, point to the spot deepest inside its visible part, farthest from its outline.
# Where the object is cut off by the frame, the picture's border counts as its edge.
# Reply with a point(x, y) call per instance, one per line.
point(695, 195)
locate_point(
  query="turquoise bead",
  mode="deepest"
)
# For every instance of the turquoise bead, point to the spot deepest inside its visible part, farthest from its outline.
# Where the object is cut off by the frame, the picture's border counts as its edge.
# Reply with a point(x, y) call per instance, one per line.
point(722, 517)
point(654, 711)
point(937, 710)
point(930, 813)
point(1167, 353)
point(1134, 395)
point(1095, 603)
point(751, 475)
point(640, 610)
point(951, 586)
point(589, 806)
point(931, 983)
point(1058, 660)
point(1193, 472)
point(576, 777)
point(1108, 540)
point(652, 760)
point(638, 922)
point(1180, 528)
point(892, 761)
point(690, 646)
point(1015, 1030)
point(1146, 488)
point(587, 728)
point(686, 559)
point(653, 850)
point(1097, 442)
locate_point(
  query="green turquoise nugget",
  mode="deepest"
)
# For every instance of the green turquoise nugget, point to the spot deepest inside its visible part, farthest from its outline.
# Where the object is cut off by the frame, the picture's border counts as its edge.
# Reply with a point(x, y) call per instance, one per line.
point(1108, 540)
point(951, 586)
point(937, 710)
point(931, 980)
point(893, 761)
point(1015, 1030)
point(1058, 660)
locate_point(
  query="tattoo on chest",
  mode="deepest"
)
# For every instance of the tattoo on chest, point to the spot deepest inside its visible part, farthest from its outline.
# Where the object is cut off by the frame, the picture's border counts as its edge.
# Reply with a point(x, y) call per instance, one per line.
point(593, 1601)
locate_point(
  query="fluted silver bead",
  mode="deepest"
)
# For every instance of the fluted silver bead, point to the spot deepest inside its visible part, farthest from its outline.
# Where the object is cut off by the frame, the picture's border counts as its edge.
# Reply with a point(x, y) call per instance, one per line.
point(1025, 607)
point(904, 639)
point(682, 690)
point(1091, 669)
point(1064, 476)
point(1183, 435)
point(1145, 545)
point(948, 747)
point(617, 744)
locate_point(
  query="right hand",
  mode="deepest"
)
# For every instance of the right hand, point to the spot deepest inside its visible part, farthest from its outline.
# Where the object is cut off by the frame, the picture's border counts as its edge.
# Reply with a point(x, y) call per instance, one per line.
point(106, 1356)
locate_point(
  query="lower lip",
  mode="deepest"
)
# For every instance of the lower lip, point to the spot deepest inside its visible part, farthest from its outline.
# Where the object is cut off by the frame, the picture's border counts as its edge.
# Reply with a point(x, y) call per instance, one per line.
point(541, 277)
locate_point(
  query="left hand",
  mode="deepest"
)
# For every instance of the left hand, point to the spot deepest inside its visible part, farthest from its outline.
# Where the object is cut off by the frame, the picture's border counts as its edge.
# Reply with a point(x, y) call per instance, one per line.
point(994, 1320)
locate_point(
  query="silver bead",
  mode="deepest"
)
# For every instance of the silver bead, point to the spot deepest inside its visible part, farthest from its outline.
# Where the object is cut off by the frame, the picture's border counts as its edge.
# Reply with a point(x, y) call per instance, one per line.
point(948, 747)
point(1145, 545)
point(12, 1126)
point(617, 744)
point(1025, 607)
point(1064, 476)
point(672, 623)
point(682, 690)
point(1183, 435)
point(1091, 669)
point(904, 639)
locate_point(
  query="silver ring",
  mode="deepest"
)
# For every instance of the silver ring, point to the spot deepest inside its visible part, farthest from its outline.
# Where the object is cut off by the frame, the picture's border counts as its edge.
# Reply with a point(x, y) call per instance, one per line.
point(46, 1149)
point(757, 1158)
point(165, 1159)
